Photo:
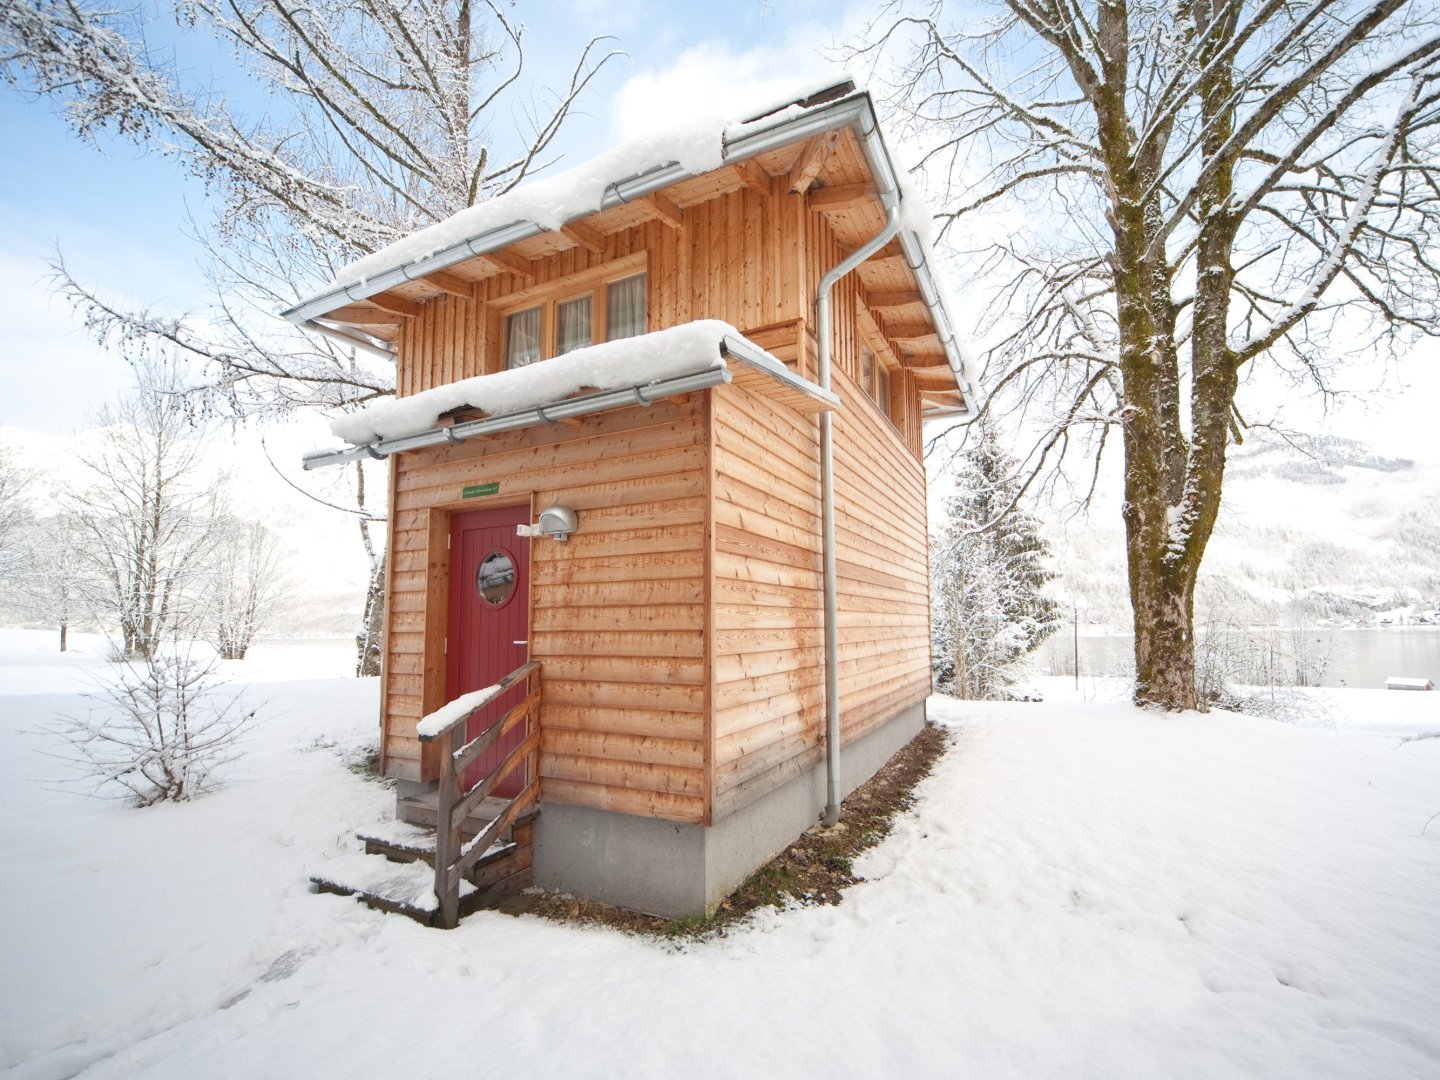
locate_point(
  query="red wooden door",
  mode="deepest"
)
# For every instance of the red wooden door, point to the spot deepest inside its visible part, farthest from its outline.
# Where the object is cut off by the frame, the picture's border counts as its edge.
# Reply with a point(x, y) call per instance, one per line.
point(489, 624)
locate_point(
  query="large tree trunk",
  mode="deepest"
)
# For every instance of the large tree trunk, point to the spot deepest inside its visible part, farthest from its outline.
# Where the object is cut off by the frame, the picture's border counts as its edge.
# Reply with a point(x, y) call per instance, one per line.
point(1163, 598)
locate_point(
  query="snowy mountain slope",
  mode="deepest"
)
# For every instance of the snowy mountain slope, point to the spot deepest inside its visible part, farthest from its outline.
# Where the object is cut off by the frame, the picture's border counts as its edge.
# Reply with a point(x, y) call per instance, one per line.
point(1328, 529)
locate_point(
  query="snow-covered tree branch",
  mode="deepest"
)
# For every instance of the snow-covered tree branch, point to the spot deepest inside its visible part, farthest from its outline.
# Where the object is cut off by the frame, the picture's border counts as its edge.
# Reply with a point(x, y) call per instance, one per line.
point(1174, 193)
point(366, 121)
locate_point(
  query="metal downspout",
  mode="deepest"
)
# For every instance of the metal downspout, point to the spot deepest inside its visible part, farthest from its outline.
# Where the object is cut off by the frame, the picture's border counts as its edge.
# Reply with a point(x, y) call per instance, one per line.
point(827, 502)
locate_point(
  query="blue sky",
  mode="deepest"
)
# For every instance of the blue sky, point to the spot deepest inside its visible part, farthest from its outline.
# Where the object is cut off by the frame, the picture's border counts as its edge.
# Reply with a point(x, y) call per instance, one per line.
point(118, 214)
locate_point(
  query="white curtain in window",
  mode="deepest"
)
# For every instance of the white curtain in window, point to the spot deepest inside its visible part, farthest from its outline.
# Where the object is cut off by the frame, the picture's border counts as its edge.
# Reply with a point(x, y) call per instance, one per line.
point(867, 372)
point(625, 314)
point(522, 338)
point(572, 329)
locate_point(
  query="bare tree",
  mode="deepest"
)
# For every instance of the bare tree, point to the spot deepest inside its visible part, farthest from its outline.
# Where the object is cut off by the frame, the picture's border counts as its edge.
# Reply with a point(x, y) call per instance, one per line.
point(16, 516)
point(380, 122)
point(160, 729)
point(145, 523)
point(246, 579)
point(55, 582)
point(1187, 190)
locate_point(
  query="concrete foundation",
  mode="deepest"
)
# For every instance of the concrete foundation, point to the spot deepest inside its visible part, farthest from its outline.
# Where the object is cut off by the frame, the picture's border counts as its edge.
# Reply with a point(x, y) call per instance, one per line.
point(672, 870)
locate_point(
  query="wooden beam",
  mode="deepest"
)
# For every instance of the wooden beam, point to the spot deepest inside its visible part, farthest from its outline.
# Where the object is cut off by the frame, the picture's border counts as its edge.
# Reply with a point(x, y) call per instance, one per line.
point(358, 315)
point(754, 176)
point(892, 250)
point(508, 261)
point(450, 283)
point(584, 235)
point(921, 354)
point(811, 160)
point(398, 305)
point(884, 301)
point(842, 196)
point(934, 378)
point(909, 331)
point(664, 208)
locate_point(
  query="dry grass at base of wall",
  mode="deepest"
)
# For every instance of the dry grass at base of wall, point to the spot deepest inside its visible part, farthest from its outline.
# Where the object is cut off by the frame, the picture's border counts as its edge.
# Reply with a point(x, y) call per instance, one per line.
point(815, 869)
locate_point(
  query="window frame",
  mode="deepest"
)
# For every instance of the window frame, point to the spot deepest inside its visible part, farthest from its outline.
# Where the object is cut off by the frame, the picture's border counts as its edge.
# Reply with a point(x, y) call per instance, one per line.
point(550, 296)
point(885, 367)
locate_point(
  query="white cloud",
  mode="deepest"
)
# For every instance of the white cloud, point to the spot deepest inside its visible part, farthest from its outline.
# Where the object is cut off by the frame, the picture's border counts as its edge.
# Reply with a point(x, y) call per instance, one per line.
point(712, 77)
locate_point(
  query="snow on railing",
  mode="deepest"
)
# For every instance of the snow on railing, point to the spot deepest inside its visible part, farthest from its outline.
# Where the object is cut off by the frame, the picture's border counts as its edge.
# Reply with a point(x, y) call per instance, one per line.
point(453, 858)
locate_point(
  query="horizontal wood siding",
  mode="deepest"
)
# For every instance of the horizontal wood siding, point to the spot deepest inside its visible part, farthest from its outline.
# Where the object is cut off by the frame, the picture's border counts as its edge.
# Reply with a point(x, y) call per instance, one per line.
point(769, 653)
point(882, 560)
point(617, 611)
point(680, 630)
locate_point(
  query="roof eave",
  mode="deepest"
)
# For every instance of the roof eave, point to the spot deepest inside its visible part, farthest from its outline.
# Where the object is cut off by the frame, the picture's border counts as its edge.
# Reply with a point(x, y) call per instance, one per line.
point(855, 110)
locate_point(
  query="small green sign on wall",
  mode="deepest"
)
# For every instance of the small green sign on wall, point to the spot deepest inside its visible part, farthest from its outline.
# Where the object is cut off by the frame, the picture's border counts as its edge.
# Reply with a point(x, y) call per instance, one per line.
point(474, 491)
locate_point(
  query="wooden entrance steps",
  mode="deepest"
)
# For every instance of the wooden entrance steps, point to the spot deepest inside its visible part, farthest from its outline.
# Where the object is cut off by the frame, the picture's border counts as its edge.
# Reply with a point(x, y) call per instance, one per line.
point(396, 872)
point(424, 810)
point(483, 849)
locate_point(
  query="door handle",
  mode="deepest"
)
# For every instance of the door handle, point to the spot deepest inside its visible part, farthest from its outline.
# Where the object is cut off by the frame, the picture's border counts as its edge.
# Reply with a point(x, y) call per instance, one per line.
point(526, 642)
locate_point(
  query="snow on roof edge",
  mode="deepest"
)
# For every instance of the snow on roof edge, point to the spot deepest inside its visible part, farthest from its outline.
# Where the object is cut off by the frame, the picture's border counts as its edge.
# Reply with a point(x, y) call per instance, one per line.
point(695, 148)
point(582, 190)
point(612, 365)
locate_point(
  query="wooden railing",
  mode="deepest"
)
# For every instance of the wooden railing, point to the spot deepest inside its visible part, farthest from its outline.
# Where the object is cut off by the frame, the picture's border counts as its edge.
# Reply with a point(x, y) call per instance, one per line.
point(454, 855)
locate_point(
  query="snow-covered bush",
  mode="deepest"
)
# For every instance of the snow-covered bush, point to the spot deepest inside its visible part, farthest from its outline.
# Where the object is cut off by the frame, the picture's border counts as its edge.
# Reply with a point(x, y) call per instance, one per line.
point(159, 730)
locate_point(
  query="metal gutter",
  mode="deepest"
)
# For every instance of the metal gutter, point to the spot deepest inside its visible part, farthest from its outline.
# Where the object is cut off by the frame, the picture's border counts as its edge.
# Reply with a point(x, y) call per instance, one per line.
point(603, 401)
point(856, 111)
point(747, 352)
point(827, 501)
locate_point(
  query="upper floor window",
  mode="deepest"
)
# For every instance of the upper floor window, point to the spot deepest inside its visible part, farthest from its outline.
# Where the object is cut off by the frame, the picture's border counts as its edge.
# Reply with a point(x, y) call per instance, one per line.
point(875, 379)
point(608, 311)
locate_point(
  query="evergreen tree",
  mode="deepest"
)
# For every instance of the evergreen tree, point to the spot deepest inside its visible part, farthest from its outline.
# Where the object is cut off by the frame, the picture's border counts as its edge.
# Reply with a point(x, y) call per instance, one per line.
point(988, 569)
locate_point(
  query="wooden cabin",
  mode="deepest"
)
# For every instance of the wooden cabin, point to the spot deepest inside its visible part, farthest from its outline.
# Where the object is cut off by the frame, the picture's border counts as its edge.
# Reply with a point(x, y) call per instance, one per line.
point(663, 663)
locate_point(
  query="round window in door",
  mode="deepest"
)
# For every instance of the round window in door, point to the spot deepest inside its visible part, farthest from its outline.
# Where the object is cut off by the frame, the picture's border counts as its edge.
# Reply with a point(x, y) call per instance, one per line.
point(495, 578)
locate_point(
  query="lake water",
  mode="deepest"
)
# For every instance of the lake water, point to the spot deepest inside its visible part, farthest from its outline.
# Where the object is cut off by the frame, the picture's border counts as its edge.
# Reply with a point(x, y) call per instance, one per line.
point(1354, 658)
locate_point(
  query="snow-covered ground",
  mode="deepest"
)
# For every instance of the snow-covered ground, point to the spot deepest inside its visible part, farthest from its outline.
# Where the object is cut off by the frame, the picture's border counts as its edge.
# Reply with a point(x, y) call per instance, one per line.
point(1081, 891)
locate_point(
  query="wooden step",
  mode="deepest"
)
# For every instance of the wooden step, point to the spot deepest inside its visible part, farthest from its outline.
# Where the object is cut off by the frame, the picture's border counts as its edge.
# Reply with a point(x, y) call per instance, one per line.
point(400, 841)
point(424, 809)
point(405, 888)
point(403, 842)
point(396, 872)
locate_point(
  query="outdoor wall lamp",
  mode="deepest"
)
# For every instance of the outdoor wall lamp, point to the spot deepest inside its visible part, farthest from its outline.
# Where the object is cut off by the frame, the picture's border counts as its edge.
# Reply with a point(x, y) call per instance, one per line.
point(556, 522)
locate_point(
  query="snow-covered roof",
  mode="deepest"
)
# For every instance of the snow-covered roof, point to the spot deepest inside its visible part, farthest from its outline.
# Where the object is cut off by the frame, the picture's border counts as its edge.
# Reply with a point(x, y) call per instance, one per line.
point(627, 173)
point(616, 176)
point(617, 374)
point(612, 365)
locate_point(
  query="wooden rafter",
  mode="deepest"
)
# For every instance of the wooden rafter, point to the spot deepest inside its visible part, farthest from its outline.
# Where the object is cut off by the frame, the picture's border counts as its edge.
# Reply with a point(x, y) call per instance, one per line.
point(584, 235)
point(841, 196)
point(360, 315)
point(509, 262)
point(450, 283)
point(754, 176)
point(934, 378)
point(398, 305)
point(892, 250)
point(664, 208)
point(811, 160)
point(924, 353)
point(886, 301)
point(909, 331)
